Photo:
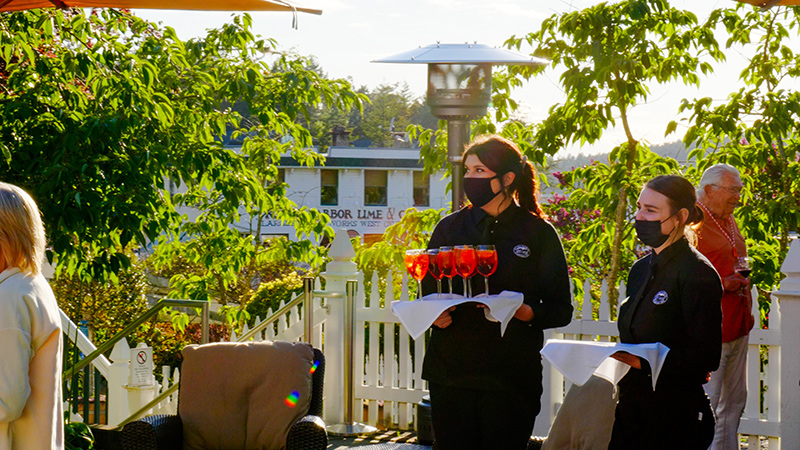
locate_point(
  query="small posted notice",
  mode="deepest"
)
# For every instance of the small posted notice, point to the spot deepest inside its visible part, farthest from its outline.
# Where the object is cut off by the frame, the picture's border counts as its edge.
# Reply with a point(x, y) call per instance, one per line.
point(141, 366)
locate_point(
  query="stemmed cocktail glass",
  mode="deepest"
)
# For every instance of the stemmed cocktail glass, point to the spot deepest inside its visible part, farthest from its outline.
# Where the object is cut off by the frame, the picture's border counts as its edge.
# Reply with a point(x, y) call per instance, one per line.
point(466, 263)
point(487, 263)
point(417, 265)
point(435, 269)
point(447, 259)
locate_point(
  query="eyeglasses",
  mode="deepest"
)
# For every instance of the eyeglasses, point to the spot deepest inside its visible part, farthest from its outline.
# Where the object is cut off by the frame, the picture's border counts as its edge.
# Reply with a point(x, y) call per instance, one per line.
point(732, 190)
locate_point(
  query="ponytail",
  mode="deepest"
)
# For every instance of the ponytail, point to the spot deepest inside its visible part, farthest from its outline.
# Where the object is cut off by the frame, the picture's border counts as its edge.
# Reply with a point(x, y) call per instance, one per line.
point(695, 215)
point(525, 189)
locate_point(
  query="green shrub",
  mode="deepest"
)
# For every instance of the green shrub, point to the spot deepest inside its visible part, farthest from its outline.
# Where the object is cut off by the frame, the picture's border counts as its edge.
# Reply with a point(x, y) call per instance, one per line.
point(270, 295)
point(107, 306)
point(77, 435)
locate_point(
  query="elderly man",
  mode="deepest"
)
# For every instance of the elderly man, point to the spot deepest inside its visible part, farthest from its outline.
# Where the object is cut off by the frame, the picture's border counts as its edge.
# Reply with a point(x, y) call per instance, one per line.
point(721, 242)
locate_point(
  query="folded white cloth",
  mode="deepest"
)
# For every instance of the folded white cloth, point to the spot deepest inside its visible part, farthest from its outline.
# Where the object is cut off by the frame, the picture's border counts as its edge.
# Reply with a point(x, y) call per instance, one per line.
point(578, 360)
point(417, 316)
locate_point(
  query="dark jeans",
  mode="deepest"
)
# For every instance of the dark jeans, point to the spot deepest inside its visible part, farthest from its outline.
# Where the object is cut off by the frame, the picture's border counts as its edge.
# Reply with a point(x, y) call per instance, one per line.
point(473, 419)
point(671, 417)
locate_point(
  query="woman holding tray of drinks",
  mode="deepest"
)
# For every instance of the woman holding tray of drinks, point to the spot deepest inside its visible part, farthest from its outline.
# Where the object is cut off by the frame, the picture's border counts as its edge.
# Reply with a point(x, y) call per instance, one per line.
point(673, 298)
point(485, 389)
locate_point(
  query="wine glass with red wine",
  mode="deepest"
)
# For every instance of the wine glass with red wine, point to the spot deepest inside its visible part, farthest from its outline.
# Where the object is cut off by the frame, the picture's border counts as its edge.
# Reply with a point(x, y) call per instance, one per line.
point(742, 267)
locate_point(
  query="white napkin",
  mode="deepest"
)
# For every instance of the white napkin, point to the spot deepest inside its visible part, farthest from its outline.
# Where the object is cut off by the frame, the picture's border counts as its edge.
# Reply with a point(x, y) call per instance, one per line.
point(418, 315)
point(578, 360)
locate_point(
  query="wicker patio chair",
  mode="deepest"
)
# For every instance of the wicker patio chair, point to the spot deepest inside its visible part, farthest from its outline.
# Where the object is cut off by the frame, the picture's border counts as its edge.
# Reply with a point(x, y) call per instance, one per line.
point(232, 414)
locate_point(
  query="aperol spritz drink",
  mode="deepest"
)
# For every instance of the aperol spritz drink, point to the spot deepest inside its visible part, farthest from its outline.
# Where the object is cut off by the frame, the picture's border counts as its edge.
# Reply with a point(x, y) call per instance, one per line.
point(487, 263)
point(435, 269)
point(447, 260)
point(466, 263)
point(417, 265)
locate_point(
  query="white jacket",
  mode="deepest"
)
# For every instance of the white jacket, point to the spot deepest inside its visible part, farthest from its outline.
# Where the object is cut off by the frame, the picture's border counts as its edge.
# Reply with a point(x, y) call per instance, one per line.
point(31, 413)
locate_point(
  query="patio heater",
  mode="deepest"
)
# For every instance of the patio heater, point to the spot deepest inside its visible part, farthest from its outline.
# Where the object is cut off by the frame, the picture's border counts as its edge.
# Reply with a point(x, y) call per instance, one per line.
point(459, 90)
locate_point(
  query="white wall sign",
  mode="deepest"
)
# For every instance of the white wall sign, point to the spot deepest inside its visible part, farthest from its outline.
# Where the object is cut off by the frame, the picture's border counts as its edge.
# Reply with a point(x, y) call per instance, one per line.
point(141, 366)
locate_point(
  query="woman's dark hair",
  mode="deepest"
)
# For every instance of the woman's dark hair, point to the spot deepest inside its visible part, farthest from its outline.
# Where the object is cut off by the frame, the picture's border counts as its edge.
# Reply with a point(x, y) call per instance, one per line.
point(680, 193)
point(502, 156)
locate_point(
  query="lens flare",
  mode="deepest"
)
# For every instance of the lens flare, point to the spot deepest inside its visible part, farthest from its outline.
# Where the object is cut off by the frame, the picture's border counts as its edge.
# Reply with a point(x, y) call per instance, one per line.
point(291, 399)
point(314, 367)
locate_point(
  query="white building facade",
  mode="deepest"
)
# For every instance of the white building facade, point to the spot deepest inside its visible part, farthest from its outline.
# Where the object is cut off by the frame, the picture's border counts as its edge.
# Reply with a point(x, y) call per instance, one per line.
point(363, 190)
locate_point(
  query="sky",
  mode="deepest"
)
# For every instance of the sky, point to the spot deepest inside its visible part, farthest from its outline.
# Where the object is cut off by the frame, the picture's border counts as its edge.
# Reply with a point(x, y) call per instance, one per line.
point(351, 33)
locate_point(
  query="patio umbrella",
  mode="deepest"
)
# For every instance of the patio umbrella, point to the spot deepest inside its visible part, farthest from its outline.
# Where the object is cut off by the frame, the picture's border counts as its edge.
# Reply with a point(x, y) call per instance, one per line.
point(767, 4)
point(197, 5)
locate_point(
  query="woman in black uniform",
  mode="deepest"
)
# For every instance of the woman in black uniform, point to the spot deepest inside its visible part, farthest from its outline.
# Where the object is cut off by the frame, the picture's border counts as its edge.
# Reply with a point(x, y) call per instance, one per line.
point(674, 298)
point(485, 388)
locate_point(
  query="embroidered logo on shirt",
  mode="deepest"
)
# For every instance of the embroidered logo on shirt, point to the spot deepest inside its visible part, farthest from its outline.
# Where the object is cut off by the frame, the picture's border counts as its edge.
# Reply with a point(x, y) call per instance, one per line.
point(522, 251)
point(660, 298)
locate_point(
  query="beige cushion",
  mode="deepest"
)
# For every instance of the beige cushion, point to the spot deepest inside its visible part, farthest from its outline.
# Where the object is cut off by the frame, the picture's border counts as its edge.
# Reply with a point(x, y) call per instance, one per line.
point(234, 395)
point(585, 419)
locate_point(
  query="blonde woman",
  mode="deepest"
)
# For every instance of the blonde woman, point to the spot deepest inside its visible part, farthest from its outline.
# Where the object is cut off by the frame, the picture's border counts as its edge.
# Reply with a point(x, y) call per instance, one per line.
point(31, 415)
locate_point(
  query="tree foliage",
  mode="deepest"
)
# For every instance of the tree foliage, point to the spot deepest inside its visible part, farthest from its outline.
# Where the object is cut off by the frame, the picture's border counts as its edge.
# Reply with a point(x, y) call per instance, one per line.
point(610, 55)
point(104, 304)
point(756, 130)
point(102, 111)
point(391, 108)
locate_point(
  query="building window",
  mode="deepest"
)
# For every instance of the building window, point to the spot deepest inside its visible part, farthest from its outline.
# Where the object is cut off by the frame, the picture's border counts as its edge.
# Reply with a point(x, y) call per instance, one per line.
point(375, 187)
point(329, 193)
point(277, 185)
point(422, 189)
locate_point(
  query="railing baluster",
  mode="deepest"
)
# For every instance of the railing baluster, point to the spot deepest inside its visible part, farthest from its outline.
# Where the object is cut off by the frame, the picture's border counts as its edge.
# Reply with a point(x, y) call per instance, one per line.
point(97, 389)
point(87, 385)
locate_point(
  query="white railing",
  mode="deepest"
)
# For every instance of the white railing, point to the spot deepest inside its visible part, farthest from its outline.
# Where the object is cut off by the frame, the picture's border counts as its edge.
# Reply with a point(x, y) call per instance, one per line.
point(121, 399)
point(80, 340)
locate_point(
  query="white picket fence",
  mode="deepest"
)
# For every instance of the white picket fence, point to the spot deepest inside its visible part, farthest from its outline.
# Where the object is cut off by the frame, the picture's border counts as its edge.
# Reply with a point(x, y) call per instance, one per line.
point(388, 362)
point(388, 387)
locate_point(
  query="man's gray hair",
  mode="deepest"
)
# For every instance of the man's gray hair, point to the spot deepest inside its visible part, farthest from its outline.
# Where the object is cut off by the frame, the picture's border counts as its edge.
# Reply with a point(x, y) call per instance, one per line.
point(714, 174)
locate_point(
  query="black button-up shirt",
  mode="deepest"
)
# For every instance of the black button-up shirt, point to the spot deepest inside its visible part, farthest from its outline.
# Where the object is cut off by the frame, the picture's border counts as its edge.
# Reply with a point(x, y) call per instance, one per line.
point(674, 298)
point(470, 353)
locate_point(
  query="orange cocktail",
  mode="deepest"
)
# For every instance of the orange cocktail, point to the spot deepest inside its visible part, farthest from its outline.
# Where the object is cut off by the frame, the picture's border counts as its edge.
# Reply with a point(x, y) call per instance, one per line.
point(417, 265)
point(466, 263)
point(487, 263)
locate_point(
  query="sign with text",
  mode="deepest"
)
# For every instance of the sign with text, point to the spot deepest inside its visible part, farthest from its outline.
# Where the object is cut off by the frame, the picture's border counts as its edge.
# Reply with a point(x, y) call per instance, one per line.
point(364, 219)
point(141, 366)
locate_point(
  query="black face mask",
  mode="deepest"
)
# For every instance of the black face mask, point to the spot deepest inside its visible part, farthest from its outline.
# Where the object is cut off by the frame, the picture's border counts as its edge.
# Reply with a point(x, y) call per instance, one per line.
point(649, 232)
point(479, 190)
